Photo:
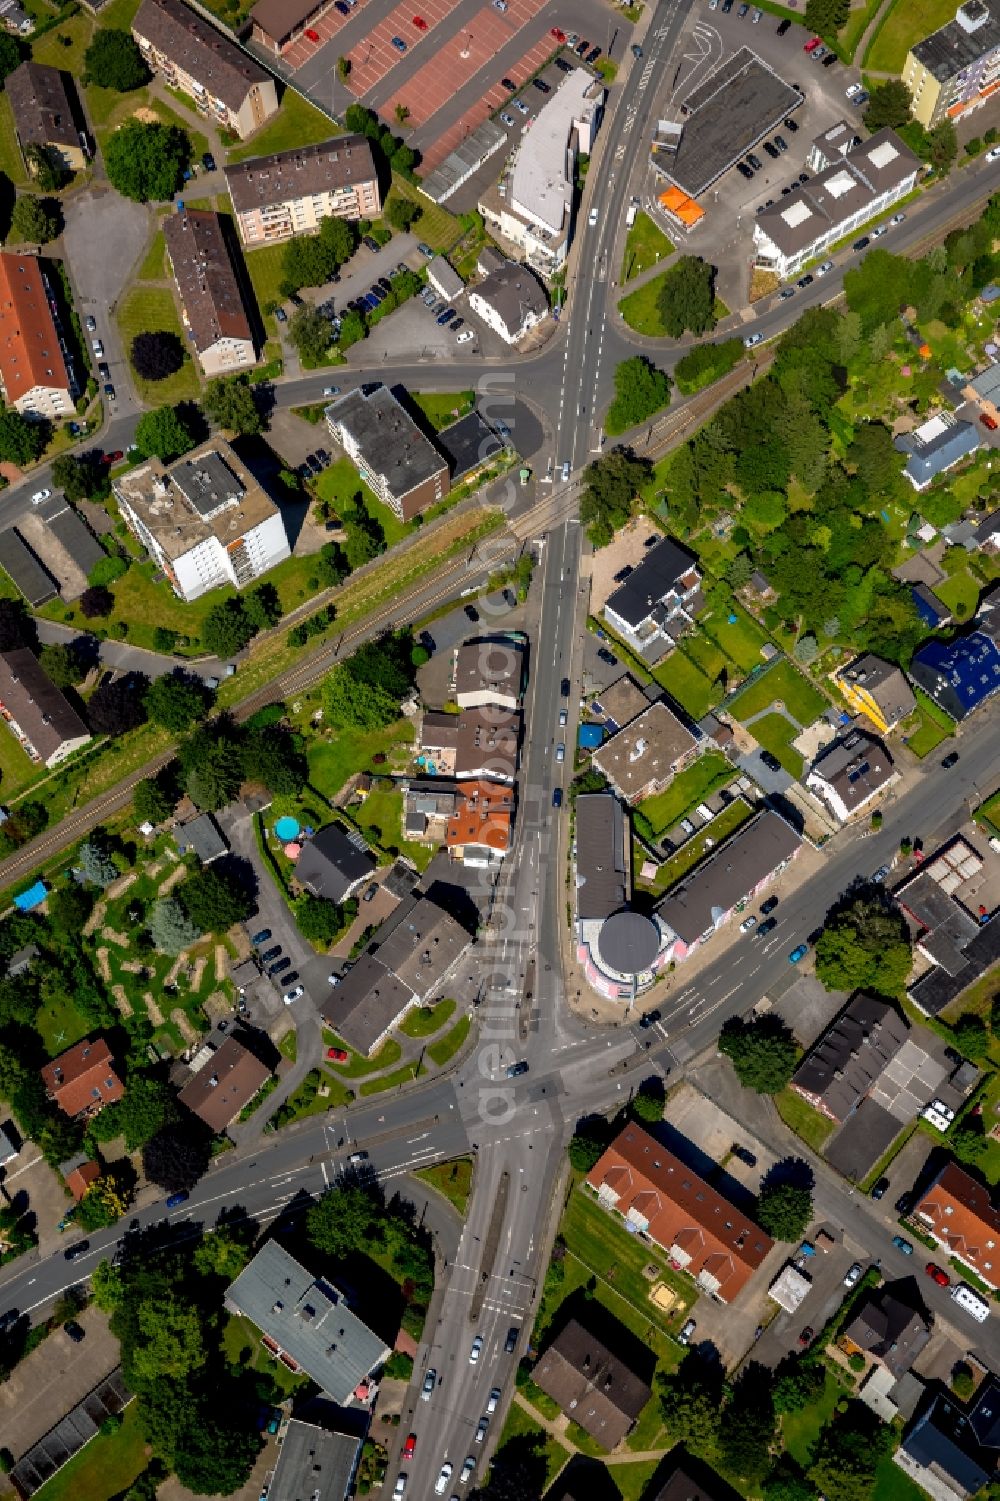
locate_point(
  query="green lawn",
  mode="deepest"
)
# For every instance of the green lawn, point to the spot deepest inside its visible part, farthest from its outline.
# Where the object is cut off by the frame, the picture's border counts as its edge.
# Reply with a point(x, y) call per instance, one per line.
point(16, 769)
point(297, 123)
point(436, 227)
point(781, 684)
point(426, 1020)
point(686, 683)
point(960, 593)
point(741, 639)
point(442, 1051)
point(803, 1119)
point(645, 244)
point(154, 266)
point(452, 1179)
point(441, 408)
point(802, 1429)
point(60, 1024)
point(340, 484)
point(519, 1424)
point(694, 851)
point(357, 1065)
point(119, 13)
point(775, 732)
point(266, 274)
point(641, 308)
point(632, 1480)
point(389, 1081)
point(144, 603)
point(687, 790)
point(240, 1335)
point(152, 309)
point(909, 21)
point(332, 761)
point(928, 727)
point(52, 48)
point(104, 1467)
point(891, 1484)
point(380, 819)
point(11, 160)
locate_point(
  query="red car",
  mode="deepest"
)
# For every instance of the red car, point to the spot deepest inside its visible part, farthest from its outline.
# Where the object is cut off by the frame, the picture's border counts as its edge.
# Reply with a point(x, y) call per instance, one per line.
point(988, 421)
point(810, 46)
point(806, 1337)
point(409, 1448)
point(112, 458)
point(937, 1275)
point(560, 36)
point(313, 36)
point(337, 1054)
point(420, 23)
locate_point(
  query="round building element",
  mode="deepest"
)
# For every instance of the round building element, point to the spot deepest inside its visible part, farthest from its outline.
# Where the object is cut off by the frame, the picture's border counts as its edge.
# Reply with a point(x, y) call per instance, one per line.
point(628, 943)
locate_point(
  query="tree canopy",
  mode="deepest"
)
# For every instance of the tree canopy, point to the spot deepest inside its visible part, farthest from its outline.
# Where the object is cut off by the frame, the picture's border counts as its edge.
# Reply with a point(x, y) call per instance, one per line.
point(21, 441)
point(310, 332)
point(687, 297)
point(610, 486)
point(118, 704)
point(113, 61)
point(311, 260)
point(865, 945)
point(155, 355)
point(164, 434)
point(762, 1051)
point(214, 899)
point(228, 400)
point(889, 103)
point(228, 628)
point(177, 700)
point(35, 220)
point(146, 161)
point(81, 477)
point(784, 1209)
point(640, 390)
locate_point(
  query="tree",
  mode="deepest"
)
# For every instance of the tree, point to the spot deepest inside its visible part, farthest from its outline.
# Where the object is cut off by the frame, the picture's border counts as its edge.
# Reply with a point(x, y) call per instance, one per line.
point(784, 1210)
point(588, 1143)
point(647, 1106)
point(942, 146)
point(889, 104)
point(35, 221)
point(106, 1285)
point(798, 1382)
point(610, 486)
point(46, 166)
point(113, 61)
point(163, 434)
point(848, 1452)
point(353, 329)
point(826, 16)
point(275, 757)
point(687, 297)
point(61, 664)
point(228, 401)
point(170, 928)
point(747, 1431)
point(343, 68)
point(216, 1456)
point(146, 161)
point(640, 390)
point(69, 907)
point(691, 1403)
point(311, 260)
point(787, 1483)
point(10, 55)
point(107, 570)
point(118, 704)
point(227, 628)
point(21, 441)
point(154, 799)
point(763, 1052)
point(401, 213)
point(175, 1158)
point(147, 1106)
point(81, 477)
point(865, 945)
point(263, 607)
point(177, 700)
point(971, 1035)
point(348, 702)
point(17, 628)
point(318, 920)
point(962, 1381)
point(95, 861)
point(806, 649)
point(343, 1220)
point(706, 363)
point(105, 1201)
point(969, 1141)
point(155, 356)
point(214, 900)
point(213, 768)
point(310, 333)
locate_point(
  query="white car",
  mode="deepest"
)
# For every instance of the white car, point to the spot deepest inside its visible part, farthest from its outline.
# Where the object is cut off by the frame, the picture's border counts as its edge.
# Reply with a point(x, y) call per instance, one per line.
point(684, 1337)
point(331, 390)
point(560, 752)
point(90, 324)
point(593, 218)
point(481, 1428)
point(467, 1469)
point(491, 1405)
point(565, 471)
point(563, 716)
point(747, 924)
point(993, 155)
point(441, 1483)
point(39, 496)
point(752, 339)
point(879, 231)
point(477, 1349)
point(897, 218)
point(98, 348)
point(465, 336)
point(400, 1485)
point(293, 995)
point(508, 120)
point(852, 89)
point(853, 1276)
point(825, 269)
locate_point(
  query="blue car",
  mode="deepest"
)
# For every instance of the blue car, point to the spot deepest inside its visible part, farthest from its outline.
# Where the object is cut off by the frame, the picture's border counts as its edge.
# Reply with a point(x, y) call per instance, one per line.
point(902, 1245)
point(798, 953)
point(175, 1200)
point(370, 302)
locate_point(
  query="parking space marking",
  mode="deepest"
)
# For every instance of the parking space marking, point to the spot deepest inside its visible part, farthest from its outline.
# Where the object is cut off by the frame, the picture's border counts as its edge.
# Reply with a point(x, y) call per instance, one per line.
point(375, 56)
point(492, 99)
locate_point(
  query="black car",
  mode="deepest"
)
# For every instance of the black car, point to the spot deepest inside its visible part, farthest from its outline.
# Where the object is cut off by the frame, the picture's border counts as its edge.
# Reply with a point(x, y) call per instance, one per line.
point(754, 161)
point(81, 1248)
point(427, 642)
point(905, 1203)
point(879, 1187)
point(280, 966)
point(582, 48)
point(261, 937)
point(342, 7)
point(510, 1343)
point(803, 177)
point(743, 170)
point(271, 954)
point(829, 60)
point(515, 1070)
point(564, 687)
point(563, 65)
point(470, 612)
point(372, 244)
point(593, 55)
point(508, 83)
point(542, 86)
point(770, 760)
point(804, 281)
point(861, 244)
point(650, 1019)
point(607, 656)
point(783, 26)
point(208, 161)
point(74, 1331)
point(791, 125)
point(771, 150)
point(623, 573)
point(768, 907)
point(950, 759)
point(767, 926)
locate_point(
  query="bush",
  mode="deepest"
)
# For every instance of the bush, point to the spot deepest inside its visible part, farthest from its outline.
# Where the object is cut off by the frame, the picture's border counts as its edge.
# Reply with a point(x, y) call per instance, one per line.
point(106, 571)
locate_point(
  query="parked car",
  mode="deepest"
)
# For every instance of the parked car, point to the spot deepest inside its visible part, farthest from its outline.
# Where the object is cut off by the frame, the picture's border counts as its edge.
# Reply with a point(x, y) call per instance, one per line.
point(39, 496)
point(824, 269)
point(771, 150)
point(812, 44)
point(770, 760)
point(861, 244)
point(90, 324)
point(560, 36)
point(279, 966)
point(98, 348)
point(399, 44)
point(261, 937)
point(542, 86)
point(879, 231)
point(950, 760)
point(783, 26)
point(312, 35)
point(339, 1055)
point(494, 1400)
point(521, 107)
point(767, 926)
point(806, 1337)
point(110, 392)
point(937, 1275)
point(481, 1428)
point(988, 421)
point(430, 1381)
point(879, 1188)
point(560, 752)
point(464, 338)
point(790, 124)
point(902, 1244)
point(748, 924)
point(509, 85)
point(293, 995)
point(993, 155)
point(744, 170)
point(477, 1350)
point(904, 1203)
point(685, 1332)
point(470, 612)
point(508, 120)
point(410, 1447)
point(799, 952)
point(853, 1275)
point(178, 1198)
point(804, 281)
point(607, 657)
point(752, 339)
point(754, 161)
point(563, 65)
point(74, 1332)
point(420, 23)
point(515, 1070)
point(467, 1469)
point(781, 143)
point(592, 56)
point(829, 60)
point(768, 906)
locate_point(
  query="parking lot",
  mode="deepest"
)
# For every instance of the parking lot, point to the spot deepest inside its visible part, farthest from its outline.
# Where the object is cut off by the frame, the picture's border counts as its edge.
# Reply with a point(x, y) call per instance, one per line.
point(724, 235)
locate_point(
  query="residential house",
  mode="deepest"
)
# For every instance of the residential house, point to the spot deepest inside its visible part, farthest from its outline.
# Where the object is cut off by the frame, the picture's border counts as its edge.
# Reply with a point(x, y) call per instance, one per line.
point(696, 1226)
point(490, 671)
point(850, 773)
point(956, 68)
point(44, 114)
point(658, 601)
point(930, 607)
point(891, 1332)
point(227, 85)
point(865, 1047)
point(591, 1384)
point(306, 1322)
point(479, 830)
point(389, 450)
point(959, 1216)
point(205, 519)
point(692, 1480)
point(950, 1451)
point(38, 713)
point(935, 447)
point(987, 533)
point(428, 805)
point(480, 743)
point(78, 1173)
point(963, 674)
point(316, 1460)
point(984, 390)
point(644, 757)
point(511, 301)
point(877, 689)
point(619, 703)
point(734, 873)
point(36, 371)
point(15, 18)
point(953, 934)
point(212, 307)
point(219, 1091)
point(334, 863)
point(82, 1080)
point(292, 192)
point(202, 837)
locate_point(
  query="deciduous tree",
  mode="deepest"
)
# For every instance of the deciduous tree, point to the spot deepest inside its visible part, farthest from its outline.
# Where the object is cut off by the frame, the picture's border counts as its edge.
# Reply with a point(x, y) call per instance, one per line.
point(145, 162)
point(113, 61)
point(640, 390)
point(865, 945)
point(118, 704)
point(21, 441)
point(889, 104)
point(762, 1051)
point(163, 434)
point(687, 297)
point(229, 402)
point(177, 700)
point(155, 355)
point(175, 1158)
point(784, 1210)
point(227, 628)
point(35, 220)
point(214, 900)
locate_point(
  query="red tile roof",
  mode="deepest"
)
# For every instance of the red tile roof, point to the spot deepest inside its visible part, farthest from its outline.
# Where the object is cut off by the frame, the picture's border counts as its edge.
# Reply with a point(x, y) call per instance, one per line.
point(482, 816)
point(29, 343)
point(80, 1178)
point(83, 1078)
point(961, 1213)
point(649, 1185)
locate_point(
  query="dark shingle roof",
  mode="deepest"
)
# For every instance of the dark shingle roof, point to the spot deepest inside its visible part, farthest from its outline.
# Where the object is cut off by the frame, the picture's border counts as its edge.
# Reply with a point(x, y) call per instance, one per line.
point(43, 113)
point(852, 1054)
point(591, 1384)
point(205, 278)
point(332, 862)
point(658, 573)
point(200, 49)
point(601, 884)
point(300, 173)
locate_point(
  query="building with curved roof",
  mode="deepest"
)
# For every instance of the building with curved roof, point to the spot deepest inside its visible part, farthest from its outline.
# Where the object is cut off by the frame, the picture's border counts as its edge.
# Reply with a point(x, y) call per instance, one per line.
point(621, 951)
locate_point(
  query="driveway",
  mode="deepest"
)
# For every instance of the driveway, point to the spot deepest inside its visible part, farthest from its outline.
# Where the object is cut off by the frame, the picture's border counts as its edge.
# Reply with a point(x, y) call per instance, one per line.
point(53, 1379)
point(124, 658)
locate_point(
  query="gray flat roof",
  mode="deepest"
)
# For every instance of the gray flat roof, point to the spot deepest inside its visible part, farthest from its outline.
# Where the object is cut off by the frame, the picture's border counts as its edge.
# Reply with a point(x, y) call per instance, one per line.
point(733, 870)
point(728, 114)
point(26, 572)
point(946, 52)
point(363, 1007)
point(601, 880)
point(313, 1463)
point(69, 528)
point(389, 440)
point(308, 1318)
point(468, 443)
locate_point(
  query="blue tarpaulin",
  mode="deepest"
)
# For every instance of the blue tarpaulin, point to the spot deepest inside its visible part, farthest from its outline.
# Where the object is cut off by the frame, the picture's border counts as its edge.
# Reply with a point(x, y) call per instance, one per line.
point(32, 898)
point(590, 736)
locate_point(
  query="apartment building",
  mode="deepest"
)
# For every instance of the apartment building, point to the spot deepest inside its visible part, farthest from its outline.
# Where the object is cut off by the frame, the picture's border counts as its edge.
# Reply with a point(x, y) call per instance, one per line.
point(205, 520)
point(959, 1215)
point(957, 68)
point(35, 367)
point(192, 55)
point(36, 712)
point(292, 192)
point(391, 454)
point(212, 306)
point(44, 114)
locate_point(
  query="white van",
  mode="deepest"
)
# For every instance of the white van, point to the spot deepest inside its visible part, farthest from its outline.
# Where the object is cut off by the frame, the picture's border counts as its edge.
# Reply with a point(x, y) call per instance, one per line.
point(966, 1297)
